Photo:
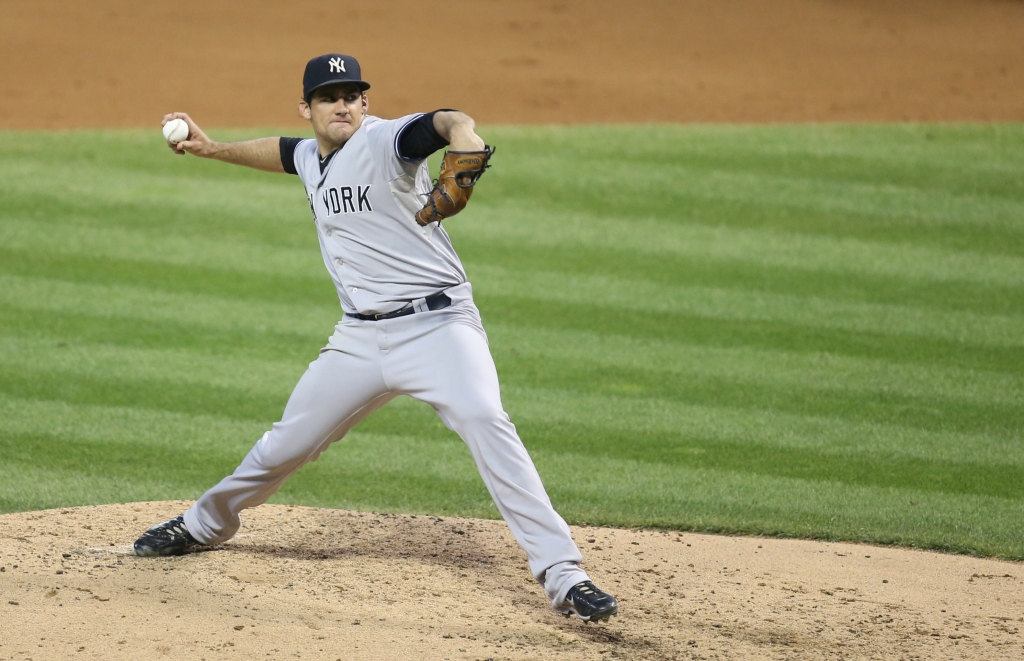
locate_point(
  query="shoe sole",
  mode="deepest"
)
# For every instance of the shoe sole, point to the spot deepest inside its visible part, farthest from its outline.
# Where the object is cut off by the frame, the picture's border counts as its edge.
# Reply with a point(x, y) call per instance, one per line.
point(153, 552)
point(147, 552)
point(597, 617)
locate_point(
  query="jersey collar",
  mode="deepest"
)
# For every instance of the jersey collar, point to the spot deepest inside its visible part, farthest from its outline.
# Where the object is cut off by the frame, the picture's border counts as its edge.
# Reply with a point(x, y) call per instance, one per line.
point(326, 160)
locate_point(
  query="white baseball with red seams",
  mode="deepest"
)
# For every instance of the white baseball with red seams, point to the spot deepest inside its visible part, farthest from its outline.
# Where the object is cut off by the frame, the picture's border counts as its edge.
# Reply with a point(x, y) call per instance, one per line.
point(175, 131)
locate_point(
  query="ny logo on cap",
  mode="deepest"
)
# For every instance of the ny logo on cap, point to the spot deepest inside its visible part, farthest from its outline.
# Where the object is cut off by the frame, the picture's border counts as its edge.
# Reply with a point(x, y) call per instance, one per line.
point(337, 65)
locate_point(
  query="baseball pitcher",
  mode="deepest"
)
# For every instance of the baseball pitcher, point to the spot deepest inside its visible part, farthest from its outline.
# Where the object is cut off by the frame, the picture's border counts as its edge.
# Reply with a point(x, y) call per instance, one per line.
point(410, 326)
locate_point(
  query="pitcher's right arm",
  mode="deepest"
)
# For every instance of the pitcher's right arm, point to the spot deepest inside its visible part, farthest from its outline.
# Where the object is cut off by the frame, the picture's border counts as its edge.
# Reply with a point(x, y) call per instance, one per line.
point(261, 153)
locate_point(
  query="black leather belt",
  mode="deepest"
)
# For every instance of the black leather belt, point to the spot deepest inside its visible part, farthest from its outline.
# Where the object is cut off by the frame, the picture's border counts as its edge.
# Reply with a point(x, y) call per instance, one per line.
point(436, 302)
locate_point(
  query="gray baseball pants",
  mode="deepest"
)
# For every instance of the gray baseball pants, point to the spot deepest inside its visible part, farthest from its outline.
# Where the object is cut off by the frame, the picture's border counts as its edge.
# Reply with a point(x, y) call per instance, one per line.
point(440, 357)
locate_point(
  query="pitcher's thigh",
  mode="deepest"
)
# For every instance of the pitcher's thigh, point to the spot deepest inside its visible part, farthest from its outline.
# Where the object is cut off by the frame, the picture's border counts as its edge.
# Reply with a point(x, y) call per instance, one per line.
point(453, 371)
point(336, 388)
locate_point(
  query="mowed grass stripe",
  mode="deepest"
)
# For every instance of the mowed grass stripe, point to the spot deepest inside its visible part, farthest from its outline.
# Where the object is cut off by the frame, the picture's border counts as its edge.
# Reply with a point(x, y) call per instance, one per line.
point(128, 448)
point(653, 366)
point(236, 266)
point(796, 277)
point(793, 279)
point(155, 376)
point(948, 333)
point(169, 380)
point(128, 301)
point(206, 464)
point(660, 360)
point(180, 191)
point(282, 325)
point(687, 448)
point(782, 177)
point(662, 446)
point(701, 499)
point(189, 236)
point(28, 487)
point(686, 496)
point(154, 275)
point(176, 381)
point(60, 328)
point(876, 202)
point(1002, 420)
point(168, 247)
point(351, 471)
point(531, 408)
point(127, 425)
point(809, 385)
point(965, 158)
point(687, 236)
point(601, 292)
point(827, 316)
point(779, 335)
point(202, 184)
point(835, 388)
point(678, 421)
point(164, 394)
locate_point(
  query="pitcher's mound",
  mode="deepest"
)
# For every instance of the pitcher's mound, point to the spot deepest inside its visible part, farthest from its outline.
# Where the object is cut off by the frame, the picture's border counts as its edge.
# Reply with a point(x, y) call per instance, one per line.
point(300, 582)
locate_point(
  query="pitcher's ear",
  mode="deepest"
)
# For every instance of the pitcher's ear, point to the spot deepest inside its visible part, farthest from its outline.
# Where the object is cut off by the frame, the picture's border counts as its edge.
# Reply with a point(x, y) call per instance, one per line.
point(304, 110)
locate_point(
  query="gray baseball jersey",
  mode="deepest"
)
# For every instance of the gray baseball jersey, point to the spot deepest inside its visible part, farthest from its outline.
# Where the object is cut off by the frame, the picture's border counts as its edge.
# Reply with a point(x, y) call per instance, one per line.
point(364, 203)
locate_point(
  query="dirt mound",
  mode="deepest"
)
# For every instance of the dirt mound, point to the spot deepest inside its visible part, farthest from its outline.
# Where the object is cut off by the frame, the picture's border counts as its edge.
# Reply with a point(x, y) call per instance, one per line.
point(300, 582)
point(114, 63)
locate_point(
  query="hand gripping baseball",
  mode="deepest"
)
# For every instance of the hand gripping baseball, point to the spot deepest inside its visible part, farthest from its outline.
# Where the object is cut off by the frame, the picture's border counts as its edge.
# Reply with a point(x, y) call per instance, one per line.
point(460, 171)
point(195, 143)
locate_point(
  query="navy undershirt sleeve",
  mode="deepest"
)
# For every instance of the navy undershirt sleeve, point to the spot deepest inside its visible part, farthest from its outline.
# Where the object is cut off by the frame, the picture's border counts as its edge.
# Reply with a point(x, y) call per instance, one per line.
point(419, 138)
point(288, 146)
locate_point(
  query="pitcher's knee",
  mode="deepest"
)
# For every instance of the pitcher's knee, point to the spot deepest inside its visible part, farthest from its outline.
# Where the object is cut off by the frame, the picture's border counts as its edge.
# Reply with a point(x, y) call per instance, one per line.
point(483, 417)
point(278, 454)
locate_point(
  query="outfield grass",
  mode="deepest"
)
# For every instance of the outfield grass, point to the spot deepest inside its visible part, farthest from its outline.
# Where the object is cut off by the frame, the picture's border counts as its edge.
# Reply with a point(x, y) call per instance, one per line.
point(810, 331)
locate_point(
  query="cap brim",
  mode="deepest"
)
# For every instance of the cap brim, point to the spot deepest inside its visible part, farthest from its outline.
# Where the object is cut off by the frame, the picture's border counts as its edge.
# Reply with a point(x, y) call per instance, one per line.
point(362, 84)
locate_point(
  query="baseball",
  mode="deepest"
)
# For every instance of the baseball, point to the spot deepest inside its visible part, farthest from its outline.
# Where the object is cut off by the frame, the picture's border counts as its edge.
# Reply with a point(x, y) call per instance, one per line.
point(175, 131)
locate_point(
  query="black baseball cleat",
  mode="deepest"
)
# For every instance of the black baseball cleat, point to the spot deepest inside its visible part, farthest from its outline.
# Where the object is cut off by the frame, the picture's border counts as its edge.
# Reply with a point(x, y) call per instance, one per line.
point(168, 538)
point(590, 603)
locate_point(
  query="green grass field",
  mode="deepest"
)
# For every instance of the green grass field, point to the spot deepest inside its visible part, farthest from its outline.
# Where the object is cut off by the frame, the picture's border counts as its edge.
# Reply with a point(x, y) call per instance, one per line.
point(811, 331)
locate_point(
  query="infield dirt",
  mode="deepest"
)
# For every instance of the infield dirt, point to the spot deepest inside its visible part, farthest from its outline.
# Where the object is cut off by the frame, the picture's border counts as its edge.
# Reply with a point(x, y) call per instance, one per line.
point(309, 583)
point(325, 584)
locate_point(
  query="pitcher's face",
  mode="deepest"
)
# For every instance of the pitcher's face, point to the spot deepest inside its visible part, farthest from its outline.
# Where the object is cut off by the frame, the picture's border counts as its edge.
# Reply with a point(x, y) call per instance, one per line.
point(336, 112)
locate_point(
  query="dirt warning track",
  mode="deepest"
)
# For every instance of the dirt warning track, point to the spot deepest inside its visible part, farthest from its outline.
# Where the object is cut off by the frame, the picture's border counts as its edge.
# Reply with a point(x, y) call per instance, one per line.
point(115, 63)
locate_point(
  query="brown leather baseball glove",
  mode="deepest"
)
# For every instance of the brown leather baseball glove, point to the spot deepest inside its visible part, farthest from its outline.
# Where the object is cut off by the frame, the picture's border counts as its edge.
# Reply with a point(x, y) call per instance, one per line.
point(460, 171)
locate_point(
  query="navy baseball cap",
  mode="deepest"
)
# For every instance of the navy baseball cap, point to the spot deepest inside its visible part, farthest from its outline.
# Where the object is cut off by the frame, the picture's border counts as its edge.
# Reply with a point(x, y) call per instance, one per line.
point(330, 69)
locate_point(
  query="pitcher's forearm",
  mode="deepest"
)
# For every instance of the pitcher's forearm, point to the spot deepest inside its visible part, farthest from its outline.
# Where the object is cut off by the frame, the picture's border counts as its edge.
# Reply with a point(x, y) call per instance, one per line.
point(459, 130)
point(261, 154)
